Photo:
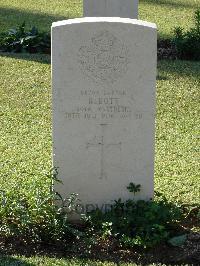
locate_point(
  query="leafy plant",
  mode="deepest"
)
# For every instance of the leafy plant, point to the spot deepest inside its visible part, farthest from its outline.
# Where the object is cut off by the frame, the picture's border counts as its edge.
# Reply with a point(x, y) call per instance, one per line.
point(38, 219)
point(188, 43)
point(106, 229)
point(134, 188)
point(136, 223)
point(19, 40)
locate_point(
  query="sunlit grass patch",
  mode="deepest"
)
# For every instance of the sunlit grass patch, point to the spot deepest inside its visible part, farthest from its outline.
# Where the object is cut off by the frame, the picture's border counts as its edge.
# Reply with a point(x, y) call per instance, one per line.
point(177, 152)
point(25, 117)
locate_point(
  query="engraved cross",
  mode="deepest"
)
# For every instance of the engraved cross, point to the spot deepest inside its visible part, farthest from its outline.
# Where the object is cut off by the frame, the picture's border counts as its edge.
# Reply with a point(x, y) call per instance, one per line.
point(103, 146)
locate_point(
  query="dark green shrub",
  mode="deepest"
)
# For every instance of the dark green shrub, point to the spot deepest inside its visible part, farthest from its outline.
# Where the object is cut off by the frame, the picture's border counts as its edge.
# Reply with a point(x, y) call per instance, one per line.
point(19, 40)
point(137, 223)
point(31, 214)
point(188, 43)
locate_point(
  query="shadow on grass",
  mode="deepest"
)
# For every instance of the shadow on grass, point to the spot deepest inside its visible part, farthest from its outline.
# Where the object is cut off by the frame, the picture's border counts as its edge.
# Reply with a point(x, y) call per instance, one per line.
point(171, 3)
point(11, 18)
point(40, 58)
point(10, 261)
point(178, 67)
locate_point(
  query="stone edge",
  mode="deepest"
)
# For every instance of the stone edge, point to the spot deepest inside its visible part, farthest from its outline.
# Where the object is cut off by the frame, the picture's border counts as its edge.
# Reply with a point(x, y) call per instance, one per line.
point(104, 19)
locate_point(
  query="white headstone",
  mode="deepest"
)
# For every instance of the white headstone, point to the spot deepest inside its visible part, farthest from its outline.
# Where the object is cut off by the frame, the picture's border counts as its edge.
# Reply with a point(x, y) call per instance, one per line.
point(110, 8)
point(104, 77)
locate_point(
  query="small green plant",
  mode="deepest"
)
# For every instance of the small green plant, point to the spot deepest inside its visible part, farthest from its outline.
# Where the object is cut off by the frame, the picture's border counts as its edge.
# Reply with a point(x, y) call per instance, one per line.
point(134, 188)
point(106, 229)
point(188, 43)
point(136, 223)
point(19, 40)
point(36, 219)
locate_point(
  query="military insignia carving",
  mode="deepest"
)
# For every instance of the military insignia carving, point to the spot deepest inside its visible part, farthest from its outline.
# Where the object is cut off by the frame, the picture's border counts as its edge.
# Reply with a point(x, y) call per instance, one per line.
point(105, 59)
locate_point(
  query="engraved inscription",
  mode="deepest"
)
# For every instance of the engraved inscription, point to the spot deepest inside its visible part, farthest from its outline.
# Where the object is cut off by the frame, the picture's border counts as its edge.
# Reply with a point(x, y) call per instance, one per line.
point(105, 59)
point(101, 104)
point(100, 142)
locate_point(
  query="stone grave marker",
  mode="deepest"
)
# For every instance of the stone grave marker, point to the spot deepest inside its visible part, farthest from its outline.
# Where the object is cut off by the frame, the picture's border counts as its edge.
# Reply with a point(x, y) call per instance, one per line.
point(103, 79)
point(110, 8)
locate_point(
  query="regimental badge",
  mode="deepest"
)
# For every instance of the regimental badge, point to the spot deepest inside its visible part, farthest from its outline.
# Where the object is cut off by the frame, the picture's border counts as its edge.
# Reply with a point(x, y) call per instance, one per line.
point(105, 59)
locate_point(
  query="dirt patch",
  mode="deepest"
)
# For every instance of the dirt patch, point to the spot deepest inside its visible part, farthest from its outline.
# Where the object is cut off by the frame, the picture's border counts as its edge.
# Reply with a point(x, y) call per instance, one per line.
point(110, 250)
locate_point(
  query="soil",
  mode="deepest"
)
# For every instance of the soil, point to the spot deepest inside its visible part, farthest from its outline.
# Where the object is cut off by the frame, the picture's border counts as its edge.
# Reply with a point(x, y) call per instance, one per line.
point(109, 250)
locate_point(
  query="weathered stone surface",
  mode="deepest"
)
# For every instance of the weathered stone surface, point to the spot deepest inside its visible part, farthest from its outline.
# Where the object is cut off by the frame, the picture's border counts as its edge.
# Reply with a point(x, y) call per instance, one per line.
point(110, 8)
point(104, 76)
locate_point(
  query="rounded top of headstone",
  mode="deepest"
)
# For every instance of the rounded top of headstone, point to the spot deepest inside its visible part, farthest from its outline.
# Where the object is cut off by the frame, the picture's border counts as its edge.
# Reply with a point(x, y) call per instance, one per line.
point(104, 19)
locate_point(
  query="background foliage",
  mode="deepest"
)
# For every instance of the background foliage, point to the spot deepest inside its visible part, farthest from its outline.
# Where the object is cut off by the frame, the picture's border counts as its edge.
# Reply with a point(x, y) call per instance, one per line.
point(187, 43)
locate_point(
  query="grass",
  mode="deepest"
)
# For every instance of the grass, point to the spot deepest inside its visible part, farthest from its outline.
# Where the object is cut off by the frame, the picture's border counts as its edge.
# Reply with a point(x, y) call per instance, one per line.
point(46, 261)
point(168, 14)
point(177, 153)
point(165, 13)
point(25, 117)
point(40, 13)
